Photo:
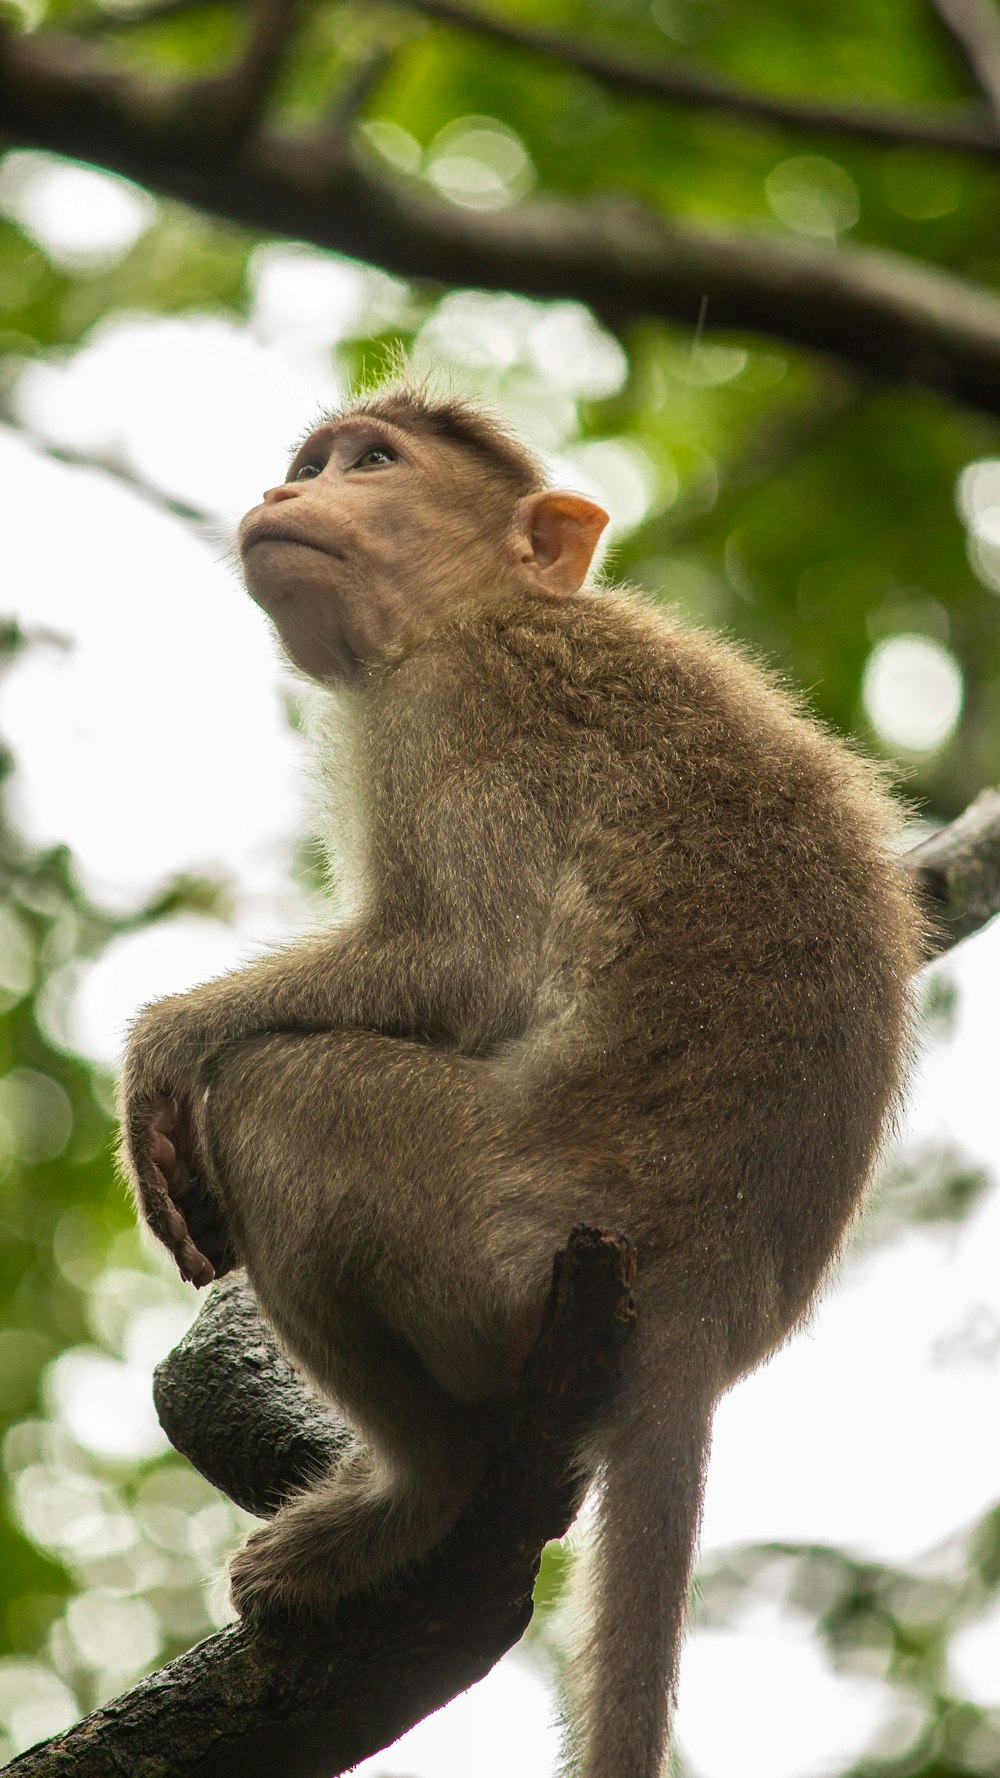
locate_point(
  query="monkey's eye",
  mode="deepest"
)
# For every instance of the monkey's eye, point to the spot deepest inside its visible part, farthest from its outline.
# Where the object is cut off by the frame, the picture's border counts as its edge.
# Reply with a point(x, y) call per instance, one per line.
point(375, 456)
point(306, 472)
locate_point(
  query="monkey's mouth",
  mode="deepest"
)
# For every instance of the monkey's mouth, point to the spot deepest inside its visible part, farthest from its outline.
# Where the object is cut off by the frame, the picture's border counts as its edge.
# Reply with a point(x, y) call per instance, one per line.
point(268, 530)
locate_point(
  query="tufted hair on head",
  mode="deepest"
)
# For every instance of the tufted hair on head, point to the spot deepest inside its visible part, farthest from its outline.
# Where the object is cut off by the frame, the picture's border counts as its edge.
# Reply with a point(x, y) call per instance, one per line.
point(459, 422)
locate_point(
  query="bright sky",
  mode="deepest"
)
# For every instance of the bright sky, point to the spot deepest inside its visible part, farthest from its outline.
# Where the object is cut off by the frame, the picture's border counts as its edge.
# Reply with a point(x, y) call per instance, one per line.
point(150, 732)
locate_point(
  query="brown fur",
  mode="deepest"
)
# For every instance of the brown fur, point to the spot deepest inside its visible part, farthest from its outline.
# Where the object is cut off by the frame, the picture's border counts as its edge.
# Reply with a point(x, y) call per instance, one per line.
point(628, 948)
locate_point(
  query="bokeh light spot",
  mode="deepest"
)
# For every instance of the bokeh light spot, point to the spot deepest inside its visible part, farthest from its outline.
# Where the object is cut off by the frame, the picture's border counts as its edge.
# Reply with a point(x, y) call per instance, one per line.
point(118, 1636)
point(105, 1405)
point(35, 1115)
point(394, 144)
point(912, 691)
point(83, 220)
point(34, 1703)
point(318, 297)
point(575, 353)
point(620, 475)
point(973, 1659)
point(68, 1511)
point(479, 163)
point(977, 497)
point(813, 196)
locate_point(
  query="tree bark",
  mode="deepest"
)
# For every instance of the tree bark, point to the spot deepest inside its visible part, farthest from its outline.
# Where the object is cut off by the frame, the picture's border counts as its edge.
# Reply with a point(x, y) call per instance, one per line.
point(958, 871)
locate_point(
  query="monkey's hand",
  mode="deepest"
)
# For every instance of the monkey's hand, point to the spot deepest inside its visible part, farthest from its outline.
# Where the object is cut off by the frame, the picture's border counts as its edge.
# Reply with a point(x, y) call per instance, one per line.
point(162, 1085)
point(170, 1175)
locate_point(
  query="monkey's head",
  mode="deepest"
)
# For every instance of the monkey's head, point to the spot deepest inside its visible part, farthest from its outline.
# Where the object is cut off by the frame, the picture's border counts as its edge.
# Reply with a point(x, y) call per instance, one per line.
point(394, 512)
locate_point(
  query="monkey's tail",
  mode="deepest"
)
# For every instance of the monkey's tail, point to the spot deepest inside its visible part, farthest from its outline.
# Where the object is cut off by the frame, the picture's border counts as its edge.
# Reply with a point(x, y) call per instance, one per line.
point(634, 1583)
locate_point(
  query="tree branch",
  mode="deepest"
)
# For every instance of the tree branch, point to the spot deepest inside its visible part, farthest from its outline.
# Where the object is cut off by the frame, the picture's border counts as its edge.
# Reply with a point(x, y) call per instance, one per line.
point(958, 871)
point(683, 82)
point(974, 29)
point(106, 24)
point(198, 516)
point(231, 1403)
point(966, 130)
point(313, 1702)
point(353, 96)
point(231, 104)
point(891, 316)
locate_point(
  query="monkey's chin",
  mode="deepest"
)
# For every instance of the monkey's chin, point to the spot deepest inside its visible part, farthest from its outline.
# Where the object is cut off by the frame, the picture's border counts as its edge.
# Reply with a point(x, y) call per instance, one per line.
point(303, 614)
point(324, 658)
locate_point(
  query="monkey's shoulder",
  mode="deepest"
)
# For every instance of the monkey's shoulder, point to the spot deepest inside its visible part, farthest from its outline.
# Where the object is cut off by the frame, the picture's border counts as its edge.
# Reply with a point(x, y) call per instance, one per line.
point(616, 663)
point(617, 700)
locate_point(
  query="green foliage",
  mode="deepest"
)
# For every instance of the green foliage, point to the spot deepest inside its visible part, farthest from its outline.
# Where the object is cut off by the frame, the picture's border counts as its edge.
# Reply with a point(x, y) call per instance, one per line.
point(98, 1550)
point(877, 1619)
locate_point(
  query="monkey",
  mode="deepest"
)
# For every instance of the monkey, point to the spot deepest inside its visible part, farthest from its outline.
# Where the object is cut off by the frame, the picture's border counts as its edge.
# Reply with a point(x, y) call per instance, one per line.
point(623, 943)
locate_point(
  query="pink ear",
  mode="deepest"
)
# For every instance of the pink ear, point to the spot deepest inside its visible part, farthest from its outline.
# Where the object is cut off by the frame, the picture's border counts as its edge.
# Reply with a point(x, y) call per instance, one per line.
point(562, 531)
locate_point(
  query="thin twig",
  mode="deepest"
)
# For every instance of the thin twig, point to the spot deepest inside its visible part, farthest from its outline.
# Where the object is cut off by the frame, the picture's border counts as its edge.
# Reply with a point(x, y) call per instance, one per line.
point(974, 29)
point(965, 129)
point(231, 104)
point(353, 96)
point(958, 871)
point(198, 516)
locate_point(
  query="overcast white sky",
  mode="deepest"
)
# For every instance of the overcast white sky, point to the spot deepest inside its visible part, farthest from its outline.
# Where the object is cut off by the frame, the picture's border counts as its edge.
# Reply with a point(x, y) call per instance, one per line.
point(150, 731)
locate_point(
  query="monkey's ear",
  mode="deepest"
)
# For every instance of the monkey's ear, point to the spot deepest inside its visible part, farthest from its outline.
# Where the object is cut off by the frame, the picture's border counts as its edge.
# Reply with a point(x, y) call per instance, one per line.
point(556, 535)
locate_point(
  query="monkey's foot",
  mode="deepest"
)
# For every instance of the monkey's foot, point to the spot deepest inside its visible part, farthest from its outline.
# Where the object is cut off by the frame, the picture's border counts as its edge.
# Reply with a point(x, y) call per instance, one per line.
point(268, 1581)
point(207, 1227)
point(341, 1537)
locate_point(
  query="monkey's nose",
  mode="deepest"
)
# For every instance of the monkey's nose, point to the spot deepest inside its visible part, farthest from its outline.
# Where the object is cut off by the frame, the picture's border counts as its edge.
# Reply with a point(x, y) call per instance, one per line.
point(284, 492)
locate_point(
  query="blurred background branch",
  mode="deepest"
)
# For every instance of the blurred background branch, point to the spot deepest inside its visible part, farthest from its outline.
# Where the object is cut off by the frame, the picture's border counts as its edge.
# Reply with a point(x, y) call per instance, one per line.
point(959, 870)
point(680, 82)
point(974, 28)
point(877, 311)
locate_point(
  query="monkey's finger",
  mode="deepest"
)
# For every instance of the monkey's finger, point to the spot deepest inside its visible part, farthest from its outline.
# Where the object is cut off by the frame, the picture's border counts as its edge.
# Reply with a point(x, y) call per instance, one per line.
point(162, 1151)
point(177, 1228)
point(193, 1265)
point(160, 1192)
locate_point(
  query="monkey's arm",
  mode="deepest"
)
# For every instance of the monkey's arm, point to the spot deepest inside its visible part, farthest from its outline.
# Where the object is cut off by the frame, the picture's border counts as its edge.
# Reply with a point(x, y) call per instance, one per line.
point(452, 953)
point(398, 984)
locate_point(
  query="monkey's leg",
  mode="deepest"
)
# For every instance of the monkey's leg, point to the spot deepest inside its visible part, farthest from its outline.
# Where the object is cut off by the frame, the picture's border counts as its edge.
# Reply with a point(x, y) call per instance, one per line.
point(363, 1175)
point(378, 1193)
point(378, 1511)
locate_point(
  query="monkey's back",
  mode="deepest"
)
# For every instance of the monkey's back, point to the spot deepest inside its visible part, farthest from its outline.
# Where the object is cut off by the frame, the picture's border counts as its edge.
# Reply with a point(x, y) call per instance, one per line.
point(723, 996)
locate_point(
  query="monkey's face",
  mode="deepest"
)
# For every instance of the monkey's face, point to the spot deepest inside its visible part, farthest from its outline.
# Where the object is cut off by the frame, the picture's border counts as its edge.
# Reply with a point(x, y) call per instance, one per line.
point(370, 533)
point(377, 530)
